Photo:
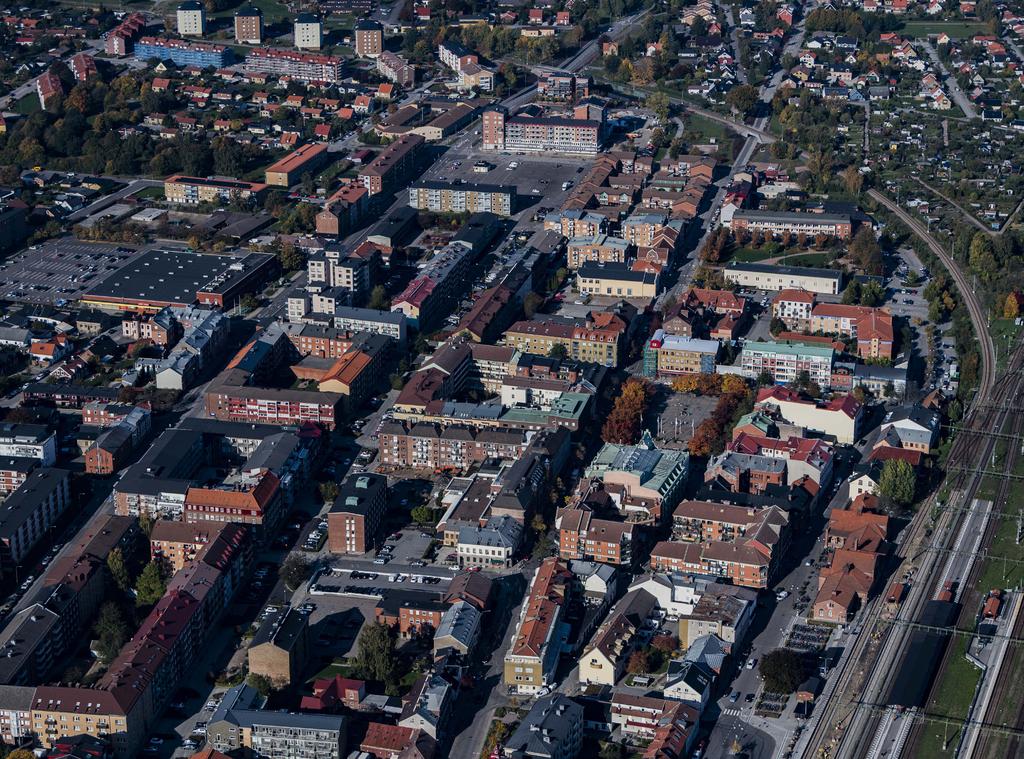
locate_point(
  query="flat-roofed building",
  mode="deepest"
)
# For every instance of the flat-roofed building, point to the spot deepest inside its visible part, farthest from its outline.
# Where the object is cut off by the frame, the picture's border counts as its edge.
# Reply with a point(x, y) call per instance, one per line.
point(308, 32)
point(444, 197)
point(597, 248)
point(191, 17)
point(369, 38)
point(769, 277)
point(280, 647)
point(357, 513)
point(673, 355)
point(249, 26)
point(786, 361)
point(398, 162)
point(30, 511)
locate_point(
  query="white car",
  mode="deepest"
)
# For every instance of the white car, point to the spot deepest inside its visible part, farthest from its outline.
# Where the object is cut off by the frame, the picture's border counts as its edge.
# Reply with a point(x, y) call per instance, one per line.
point(782, 594)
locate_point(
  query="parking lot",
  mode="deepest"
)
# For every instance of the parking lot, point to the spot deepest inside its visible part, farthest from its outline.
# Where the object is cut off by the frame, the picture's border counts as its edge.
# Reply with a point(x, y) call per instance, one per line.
point(57, 271)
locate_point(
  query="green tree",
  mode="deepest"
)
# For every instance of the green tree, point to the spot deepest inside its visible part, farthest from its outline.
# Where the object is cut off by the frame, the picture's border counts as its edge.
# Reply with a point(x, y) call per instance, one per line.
point(118, 570)
point(782, 670)
point(329, 491)
point(422, 514)
point(742, 98)
point(260, 683)
point(379, 300)
point(558, 350)
point(375, 656)
point(150, 585)
point(111, 631)
point(248, 302)
point(291, 257)
point(295, 571)
point(898, 482)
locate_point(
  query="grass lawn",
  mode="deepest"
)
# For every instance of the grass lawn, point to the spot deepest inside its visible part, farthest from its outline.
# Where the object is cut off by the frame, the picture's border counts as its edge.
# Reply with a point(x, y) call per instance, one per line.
point(149, 193)
point(1004, 332)
point(27, 105)
point(952, 698)
point(273, 11)
point(952, 28)
point(335, 668)
point(706, 127)
point(818, 260)
point(752, 255)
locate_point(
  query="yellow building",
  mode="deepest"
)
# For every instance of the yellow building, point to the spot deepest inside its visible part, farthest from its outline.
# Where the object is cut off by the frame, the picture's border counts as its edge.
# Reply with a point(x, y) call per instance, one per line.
point(617, 280)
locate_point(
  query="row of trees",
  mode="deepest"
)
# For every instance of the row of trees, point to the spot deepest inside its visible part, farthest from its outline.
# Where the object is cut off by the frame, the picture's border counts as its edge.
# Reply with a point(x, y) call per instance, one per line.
point(625, 421)
point(734, 399)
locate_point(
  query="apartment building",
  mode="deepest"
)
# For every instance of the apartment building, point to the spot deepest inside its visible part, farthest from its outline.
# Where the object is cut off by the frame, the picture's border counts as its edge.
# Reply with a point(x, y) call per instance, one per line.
point(308, 159)
point(746, 473)
point(191, 17)
point(563, 87)
point(393, 67)
point(777, 223)
point(582, 536)
point(308, 32)
point(369, 39)
point(186, 190)
point(32, 441)
point(30, 511)
point(445, 197)
point(280, 647)
point(604, 658)
point(598, 249)
point(14, 471)
point(410, 613)
point(161, 328)
point(237, 724)
point(597, 339)
point(121, 39)
point(617, 279)
point(872, 328)
point(770, 277)
point(255, 499)
point(249, 26)
point(176, 544)
point(540, 632)
point(305, 67)
point(527, 133)
point(553, 728)
point(466, 65)
point(576, 223)
point(794, 307)
point(668, 355)
point(452, 448)
point(810, 458)
point(344, 210)
point(786, 361)
point(183, 53)
point(395, 165)
point(357, 513)
point(492, 546)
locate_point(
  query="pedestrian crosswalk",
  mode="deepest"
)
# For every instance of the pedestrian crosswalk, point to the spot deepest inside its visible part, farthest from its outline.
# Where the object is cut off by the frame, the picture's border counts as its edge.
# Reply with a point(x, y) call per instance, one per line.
point(732, 712)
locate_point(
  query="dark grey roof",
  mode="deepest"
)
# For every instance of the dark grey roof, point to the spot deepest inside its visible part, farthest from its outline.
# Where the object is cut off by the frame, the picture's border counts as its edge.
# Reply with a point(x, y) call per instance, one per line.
point(357, 492)
point(23, 502)
point(284, 629)
point(549, 722)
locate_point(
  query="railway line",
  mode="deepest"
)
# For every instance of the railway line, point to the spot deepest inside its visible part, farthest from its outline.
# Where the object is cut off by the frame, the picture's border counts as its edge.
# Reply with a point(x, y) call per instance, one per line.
point(844, 728)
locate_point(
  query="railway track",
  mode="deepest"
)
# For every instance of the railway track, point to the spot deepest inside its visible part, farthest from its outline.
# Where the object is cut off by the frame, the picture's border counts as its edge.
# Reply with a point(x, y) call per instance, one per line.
point(844, 729)
point(969, 596)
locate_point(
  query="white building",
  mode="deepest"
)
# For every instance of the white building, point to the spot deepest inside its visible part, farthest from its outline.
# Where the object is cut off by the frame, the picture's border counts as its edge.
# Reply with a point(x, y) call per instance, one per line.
point(309, 32)
point(191, 19)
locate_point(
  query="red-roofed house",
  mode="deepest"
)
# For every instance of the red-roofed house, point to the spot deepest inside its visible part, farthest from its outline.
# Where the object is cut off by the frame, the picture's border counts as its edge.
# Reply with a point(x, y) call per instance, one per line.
point(48, 87)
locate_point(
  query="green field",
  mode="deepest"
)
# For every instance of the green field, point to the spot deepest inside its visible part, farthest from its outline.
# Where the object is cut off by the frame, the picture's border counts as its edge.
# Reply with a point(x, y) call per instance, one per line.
point(706, 127)
point(27, 105)
point(952, 698)
point(816, 260)
point(952, 28)
point(149, 193)
point(273, 11)
point(753, 255)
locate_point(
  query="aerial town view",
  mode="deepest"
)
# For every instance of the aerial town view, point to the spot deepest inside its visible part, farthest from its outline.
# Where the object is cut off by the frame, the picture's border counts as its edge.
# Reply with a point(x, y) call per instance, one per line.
point(512, 379)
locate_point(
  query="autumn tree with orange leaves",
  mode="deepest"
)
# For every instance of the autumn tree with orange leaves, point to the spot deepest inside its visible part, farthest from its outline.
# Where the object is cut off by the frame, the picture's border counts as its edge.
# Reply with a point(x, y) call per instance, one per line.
point(625, 421)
